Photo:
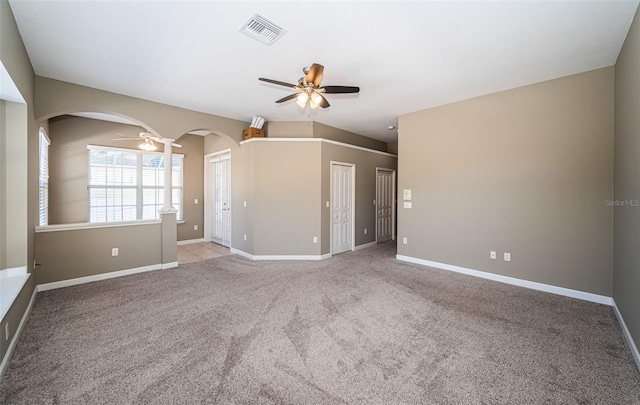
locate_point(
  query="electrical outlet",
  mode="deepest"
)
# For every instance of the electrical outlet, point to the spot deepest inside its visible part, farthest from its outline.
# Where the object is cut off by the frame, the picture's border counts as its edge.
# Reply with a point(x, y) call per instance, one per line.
point(405, 241)
point(507, 257)
point(315, 239)
point(365, 231)
point(328, 205)
point(245, 236)
point(493, 255)
point(195, 201)
point(6, 331)
point(244, 203)
point(114, 252)
point(195, 227)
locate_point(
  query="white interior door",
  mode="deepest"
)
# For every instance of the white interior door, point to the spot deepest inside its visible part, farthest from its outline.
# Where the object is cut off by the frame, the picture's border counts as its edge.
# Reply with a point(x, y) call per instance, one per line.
point(385, 186)
point(341, 208)
point(220, 169)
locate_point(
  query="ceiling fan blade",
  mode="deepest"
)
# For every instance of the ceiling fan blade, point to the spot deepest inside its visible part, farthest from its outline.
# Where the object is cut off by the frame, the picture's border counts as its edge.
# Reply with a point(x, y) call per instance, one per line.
point(341, 89)
point(324, 103)
point(176, 145)
point(126, 139)
point(277, 82)
point(289, 97)
point(315, 74)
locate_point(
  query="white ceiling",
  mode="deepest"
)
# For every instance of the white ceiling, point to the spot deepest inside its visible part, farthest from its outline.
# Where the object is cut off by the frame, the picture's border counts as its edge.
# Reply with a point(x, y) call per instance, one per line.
point(405, 56)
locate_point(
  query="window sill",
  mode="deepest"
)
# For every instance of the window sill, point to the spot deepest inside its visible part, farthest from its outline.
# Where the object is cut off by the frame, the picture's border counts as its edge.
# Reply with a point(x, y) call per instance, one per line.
point(10, 287)
point(93, 225)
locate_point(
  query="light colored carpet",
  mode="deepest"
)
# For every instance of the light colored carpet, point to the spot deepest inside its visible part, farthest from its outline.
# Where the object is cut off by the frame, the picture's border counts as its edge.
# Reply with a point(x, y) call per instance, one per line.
point(358, 328)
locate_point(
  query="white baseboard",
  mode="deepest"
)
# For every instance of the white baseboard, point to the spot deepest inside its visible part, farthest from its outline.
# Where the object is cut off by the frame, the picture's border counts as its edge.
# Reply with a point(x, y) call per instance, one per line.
point(171, 265)
point(366, 245)
point(16, 336)
point(279, 257)
point(103, 276)
point(600, 299)
point(190, 241)
point(241, 253)
point(627, 335)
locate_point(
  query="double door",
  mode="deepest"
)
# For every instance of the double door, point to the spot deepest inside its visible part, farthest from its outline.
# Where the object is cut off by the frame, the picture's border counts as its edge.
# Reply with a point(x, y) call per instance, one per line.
point(220, 186)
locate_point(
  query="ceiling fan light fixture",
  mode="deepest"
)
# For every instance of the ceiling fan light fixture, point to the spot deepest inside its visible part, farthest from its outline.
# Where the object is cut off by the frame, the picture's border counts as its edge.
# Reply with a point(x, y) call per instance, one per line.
point(148, 145)
point(302, 99)
point(316, 100)
point(309, 90)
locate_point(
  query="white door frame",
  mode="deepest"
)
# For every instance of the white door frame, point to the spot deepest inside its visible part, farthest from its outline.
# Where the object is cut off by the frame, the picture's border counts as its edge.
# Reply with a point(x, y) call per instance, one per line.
point(353, 203)
point(393, 201)
point(207, 197)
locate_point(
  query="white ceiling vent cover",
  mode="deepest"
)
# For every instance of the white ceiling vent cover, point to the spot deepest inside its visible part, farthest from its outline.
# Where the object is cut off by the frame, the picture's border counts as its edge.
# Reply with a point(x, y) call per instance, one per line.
point(263, 30)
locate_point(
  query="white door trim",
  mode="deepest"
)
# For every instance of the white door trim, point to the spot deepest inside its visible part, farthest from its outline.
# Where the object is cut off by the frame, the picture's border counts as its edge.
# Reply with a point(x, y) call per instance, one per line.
point(207, 194)
point(393, 201)
point(353, 203)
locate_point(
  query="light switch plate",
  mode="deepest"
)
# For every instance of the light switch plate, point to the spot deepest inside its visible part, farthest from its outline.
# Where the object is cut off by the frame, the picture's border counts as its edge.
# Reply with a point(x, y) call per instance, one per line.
point(406, 195)
point(407, 204)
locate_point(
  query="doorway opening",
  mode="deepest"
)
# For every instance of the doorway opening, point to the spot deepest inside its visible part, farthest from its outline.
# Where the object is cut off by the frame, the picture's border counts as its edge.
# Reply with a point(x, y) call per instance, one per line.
point(218, 198)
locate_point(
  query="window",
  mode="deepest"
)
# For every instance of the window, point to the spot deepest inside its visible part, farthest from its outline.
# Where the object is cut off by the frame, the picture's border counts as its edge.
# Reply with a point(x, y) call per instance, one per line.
point(127, 184)
point(43, 193)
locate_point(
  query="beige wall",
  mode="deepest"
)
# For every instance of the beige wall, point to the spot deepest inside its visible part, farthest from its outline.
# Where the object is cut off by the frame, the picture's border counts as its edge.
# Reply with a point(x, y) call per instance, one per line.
point(312, 129)
point(242, 189)
point(64, 255)
point(525, 171)
point(626, 269)
point(55, 98)
point(16, 183)
point(289, 129)
point(15, 59)
point(286, 201)
point(215, 143)
point(392, 147)
point(68, 162)
point(193, 182)
point(335, 134)
point(286, 185)
point(365, 212)
point(3, 185)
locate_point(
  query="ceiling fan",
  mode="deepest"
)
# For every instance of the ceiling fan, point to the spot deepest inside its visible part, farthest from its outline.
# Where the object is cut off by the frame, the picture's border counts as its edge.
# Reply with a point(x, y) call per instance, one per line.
point(148, 141)
point(309, 89)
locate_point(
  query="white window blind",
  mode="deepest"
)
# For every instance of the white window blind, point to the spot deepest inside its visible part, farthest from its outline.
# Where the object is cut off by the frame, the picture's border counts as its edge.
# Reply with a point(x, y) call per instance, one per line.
point(126, 184)
point(43, 193)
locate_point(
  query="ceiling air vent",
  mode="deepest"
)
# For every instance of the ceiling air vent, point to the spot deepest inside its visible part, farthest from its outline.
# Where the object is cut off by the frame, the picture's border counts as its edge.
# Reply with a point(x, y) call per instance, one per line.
point(262, 29)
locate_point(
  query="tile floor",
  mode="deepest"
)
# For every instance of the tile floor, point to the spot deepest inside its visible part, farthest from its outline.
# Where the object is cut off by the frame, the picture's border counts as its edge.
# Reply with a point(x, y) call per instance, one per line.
point(196, 252)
